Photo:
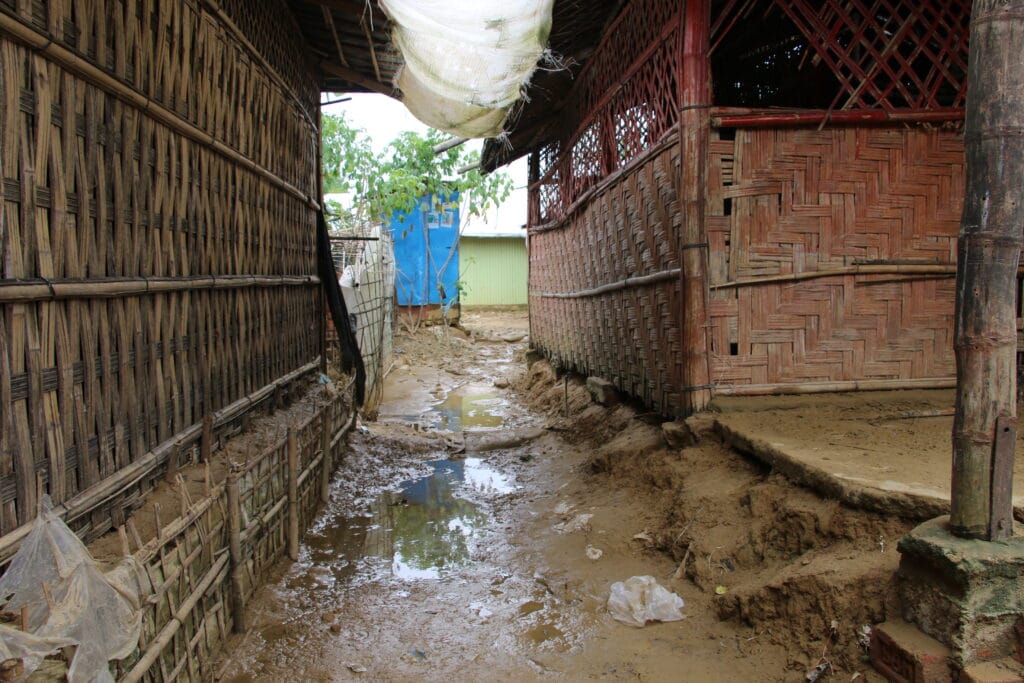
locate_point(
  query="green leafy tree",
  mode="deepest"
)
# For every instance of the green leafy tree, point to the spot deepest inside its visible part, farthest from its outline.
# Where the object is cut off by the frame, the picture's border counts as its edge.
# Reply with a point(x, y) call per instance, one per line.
point(396, 180)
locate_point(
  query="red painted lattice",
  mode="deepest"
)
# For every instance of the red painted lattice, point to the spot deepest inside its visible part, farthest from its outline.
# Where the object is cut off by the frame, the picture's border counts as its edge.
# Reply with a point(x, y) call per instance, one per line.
point(889, 54)
point(625, 100)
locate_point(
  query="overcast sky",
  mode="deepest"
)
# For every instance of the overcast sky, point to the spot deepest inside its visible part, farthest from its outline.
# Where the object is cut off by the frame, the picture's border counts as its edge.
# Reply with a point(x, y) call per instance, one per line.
point(383, 118)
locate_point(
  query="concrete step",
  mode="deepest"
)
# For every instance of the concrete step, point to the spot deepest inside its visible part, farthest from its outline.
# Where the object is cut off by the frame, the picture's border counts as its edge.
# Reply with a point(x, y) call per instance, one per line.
point(1006, 670)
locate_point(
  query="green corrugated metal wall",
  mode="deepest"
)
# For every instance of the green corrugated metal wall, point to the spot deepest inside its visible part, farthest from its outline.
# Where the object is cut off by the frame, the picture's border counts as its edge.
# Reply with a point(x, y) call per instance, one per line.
point(494, 271)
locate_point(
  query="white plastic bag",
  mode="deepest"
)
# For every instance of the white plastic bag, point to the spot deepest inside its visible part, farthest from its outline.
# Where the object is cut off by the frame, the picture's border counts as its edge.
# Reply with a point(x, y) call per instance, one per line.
point(640, 599)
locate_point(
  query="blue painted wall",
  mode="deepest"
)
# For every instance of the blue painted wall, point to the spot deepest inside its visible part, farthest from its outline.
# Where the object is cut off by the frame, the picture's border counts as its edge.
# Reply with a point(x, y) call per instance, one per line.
point(424, 238)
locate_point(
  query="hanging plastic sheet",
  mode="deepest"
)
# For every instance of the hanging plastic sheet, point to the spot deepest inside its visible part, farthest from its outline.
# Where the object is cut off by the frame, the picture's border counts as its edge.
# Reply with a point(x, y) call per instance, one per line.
point(467, 62)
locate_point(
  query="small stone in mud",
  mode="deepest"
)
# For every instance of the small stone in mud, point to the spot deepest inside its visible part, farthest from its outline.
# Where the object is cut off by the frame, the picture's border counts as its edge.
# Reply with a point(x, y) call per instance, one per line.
point(501, 383)
point(335, 629)
point(526, 457)
point(678, 435)
point(327, 617)
point(530, 607)
point(602, 391)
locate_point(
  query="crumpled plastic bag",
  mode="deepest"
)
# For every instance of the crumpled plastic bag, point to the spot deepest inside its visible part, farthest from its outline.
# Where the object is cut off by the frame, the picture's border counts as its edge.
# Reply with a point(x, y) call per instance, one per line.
point(70, 601)
point(640, 599)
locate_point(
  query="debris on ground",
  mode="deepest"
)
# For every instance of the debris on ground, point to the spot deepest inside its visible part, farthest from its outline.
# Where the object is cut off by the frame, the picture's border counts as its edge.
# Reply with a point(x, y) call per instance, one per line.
point(640, 599)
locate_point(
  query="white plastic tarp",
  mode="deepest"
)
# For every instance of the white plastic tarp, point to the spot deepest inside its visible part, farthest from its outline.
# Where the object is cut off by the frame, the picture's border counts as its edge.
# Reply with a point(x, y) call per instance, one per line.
point(70, 601)
point(467, 61)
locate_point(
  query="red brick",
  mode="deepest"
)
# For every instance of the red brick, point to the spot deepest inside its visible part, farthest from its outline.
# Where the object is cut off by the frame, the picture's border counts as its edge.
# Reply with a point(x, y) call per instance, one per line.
point(903, 654)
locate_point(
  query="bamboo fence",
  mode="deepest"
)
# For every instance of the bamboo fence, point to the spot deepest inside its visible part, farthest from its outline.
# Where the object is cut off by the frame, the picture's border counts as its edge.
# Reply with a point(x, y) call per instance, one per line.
point(206, 563)
point(157, 254)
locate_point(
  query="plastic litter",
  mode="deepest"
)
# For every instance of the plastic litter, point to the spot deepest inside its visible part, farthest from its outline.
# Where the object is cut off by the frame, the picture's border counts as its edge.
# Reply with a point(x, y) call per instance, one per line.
point(70, 601)
point(640, 599)
point(467, 61)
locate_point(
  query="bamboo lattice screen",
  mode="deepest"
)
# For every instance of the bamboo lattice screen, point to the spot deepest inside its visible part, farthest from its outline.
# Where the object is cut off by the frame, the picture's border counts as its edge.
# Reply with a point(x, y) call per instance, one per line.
point(157, 253)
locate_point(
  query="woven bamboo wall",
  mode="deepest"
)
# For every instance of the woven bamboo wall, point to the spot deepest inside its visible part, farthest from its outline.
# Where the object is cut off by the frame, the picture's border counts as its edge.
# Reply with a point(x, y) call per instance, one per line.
point(824, 205)
point(157, 253)
point(630, 335)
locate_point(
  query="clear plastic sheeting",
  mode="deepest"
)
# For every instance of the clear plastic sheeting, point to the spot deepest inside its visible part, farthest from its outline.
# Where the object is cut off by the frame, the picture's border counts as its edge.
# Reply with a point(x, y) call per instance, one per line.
point(640, 599)
point(70, 601)
point(467, 61)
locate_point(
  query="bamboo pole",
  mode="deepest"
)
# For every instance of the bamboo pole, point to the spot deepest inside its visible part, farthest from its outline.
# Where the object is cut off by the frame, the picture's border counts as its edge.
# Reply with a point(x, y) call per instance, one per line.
point(938, 270)
point(293, 494)
point(826, 387)
point(694, 133)
point(627, 283)
point(327, 464)
point(206, 439)
point(17, 291)
point(753, 118)
point(991, 231)
point(235, 548)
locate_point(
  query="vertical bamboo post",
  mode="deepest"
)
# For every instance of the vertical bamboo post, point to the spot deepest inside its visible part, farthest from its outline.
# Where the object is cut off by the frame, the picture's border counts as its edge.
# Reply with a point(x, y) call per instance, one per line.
point(235, 550)
point(206, 439)
point(293, 494)
point(327, 462)
point(694, 131)
point(991, 233)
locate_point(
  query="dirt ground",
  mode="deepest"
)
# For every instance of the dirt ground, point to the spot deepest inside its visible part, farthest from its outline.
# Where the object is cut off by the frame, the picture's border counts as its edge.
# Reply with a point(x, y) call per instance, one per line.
point(476, 528)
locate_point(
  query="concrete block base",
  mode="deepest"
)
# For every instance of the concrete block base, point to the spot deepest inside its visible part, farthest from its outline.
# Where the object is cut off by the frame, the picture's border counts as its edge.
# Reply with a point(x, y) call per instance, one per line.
point(1001, 671)
point(967, 594)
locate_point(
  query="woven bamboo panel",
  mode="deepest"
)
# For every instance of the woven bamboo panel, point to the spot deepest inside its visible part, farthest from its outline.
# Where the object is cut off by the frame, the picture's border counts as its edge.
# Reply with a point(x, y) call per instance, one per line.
point(188, 161)
point(631, 336)
point(797, 202)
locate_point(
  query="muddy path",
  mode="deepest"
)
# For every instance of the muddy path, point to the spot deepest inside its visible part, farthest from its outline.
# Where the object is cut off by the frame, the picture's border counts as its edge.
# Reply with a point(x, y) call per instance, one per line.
point(437, 561)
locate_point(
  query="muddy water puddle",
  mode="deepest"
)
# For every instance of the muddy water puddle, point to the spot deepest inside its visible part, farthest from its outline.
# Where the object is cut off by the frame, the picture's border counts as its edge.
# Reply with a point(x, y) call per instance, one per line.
point(470, 406)
point(424, 528)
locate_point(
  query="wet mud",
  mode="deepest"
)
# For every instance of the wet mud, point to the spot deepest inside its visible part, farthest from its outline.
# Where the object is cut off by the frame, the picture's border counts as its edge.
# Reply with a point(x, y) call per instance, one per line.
point(433, 563)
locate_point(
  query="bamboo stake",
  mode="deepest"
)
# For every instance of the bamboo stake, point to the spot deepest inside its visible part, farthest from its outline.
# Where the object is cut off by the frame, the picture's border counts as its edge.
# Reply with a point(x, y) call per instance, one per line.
point(206, 439)
point(235, 547)
point(991, 232)
point(327, 464)
point(293, 494)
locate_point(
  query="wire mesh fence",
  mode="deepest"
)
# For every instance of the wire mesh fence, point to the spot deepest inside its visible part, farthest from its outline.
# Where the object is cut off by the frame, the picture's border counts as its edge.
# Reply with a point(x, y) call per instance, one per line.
point(365, 265)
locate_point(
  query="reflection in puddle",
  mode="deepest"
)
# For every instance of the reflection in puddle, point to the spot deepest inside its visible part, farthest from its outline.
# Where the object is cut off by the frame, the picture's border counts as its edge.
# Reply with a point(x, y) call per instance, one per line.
point(472, 405)
point(422, 531)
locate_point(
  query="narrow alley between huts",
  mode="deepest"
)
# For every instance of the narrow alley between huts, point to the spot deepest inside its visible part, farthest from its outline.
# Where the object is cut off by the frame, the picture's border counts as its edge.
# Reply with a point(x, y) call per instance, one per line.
point(475, 528)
